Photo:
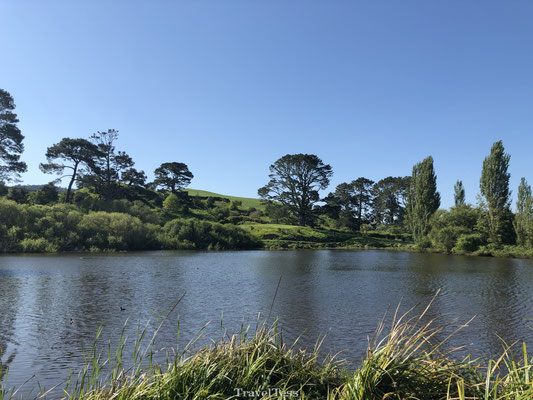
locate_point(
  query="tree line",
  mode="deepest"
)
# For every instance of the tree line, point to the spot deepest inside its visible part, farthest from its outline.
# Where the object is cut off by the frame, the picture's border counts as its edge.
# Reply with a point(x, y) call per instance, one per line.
point(395, 204)
point(92, 163)
point(406, 204)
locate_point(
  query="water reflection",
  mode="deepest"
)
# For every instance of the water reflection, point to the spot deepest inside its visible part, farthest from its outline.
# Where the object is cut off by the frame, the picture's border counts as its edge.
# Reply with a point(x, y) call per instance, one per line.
point(8, 316)
point(52, 306)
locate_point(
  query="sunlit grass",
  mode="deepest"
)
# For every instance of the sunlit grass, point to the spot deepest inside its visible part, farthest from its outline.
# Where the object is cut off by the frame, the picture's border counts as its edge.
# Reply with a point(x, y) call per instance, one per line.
point(247, 202)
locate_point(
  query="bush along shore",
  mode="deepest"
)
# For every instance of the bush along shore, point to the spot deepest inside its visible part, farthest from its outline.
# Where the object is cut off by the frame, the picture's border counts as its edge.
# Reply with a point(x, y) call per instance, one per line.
point(183, 222)
point(404, 362)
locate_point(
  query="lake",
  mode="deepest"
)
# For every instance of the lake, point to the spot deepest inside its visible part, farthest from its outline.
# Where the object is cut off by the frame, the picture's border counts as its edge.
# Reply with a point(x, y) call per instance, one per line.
point(51, 306)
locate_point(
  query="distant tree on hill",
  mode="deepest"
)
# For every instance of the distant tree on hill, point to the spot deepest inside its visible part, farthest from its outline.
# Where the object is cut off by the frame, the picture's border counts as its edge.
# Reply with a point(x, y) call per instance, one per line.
point(295, 180)
point(11, 146)
point(339, 206)
point(69, 155)
point(107, 168)
point(362, 199)
point(18, 194)
point(47, 194)
point(132, 177)
point(350, 203)
point(459, 193)
point(494, 187)
point(172, 176)
point(389, 200)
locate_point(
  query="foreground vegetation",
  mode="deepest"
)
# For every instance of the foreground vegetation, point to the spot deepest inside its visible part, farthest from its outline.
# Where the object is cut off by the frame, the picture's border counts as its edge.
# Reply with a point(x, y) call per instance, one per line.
point(405, 362)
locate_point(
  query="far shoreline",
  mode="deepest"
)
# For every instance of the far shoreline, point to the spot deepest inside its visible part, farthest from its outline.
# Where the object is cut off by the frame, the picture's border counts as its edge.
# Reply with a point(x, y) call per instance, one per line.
point(406, 249)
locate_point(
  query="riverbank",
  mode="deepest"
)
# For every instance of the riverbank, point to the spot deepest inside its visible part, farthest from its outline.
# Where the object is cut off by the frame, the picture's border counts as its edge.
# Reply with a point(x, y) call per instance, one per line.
point(280, 237)
point(402, 363)
point(68, 228)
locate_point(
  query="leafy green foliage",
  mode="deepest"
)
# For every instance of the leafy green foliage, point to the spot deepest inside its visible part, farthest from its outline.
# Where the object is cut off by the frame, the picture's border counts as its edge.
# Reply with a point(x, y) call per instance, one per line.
point(494, 186)
point(116, 231)
point(11, 146)
point(389, 200)
point(57, 225)
point(108, 166)
point(48, 194)
point(69, 155)
point(18, 194)
point(459, 193)
point(172, 176)
point(172, 203)
point(357, 214)
point(295, 180)
point(448, 226)
point(205, 235)
point(468, 243)
point(424, 199)
point(277, 213)
point(132, 177)
point(247, 202)
point(350, 203)
point(524, 215)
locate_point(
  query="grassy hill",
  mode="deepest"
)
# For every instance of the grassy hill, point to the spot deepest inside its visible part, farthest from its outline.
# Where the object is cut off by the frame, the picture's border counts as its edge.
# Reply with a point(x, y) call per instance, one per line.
point(293, 236)
point(278, 236)
point(247, 202)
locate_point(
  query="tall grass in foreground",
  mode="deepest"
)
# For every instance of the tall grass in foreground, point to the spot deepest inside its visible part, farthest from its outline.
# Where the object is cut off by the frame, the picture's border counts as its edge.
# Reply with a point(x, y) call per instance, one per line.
point(405, 361)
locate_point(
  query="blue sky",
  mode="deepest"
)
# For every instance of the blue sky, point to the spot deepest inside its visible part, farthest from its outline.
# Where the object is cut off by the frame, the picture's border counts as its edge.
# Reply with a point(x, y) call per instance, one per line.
point(230, 86)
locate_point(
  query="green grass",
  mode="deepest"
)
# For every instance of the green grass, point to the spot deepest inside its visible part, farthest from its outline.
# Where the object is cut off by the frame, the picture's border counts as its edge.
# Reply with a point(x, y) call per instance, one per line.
point(247, 202)
point(293, 236)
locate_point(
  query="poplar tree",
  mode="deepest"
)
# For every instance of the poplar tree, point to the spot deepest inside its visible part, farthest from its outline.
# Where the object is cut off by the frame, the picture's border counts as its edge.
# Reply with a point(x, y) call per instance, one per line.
point(424, 199)
point(459, 193)
point(523, 222)
point(494, 187)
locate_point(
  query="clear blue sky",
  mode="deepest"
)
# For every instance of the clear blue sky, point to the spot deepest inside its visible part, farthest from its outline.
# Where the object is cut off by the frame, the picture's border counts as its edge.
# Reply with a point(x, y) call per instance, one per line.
point(227, 87)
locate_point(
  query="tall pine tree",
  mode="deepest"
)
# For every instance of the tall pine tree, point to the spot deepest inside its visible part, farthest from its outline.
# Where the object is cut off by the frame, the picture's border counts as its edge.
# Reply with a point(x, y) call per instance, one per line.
point(11, 146)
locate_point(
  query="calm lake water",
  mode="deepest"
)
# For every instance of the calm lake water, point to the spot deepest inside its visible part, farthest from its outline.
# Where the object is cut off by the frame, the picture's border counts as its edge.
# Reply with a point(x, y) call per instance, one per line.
point(52, 306)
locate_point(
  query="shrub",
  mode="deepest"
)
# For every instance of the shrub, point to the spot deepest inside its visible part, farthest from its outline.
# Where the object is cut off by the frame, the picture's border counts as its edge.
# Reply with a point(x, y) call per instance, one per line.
point(236, 204)
point(40, 245)
point(468, 243)
point(446, 238)
point(202, 235)
point(116, 231)
point(10, 213)
point(172, 203)
point(424, 243)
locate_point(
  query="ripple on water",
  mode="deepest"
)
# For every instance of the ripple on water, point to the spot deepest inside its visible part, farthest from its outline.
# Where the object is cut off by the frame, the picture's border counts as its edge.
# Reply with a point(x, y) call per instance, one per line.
point(53, 306)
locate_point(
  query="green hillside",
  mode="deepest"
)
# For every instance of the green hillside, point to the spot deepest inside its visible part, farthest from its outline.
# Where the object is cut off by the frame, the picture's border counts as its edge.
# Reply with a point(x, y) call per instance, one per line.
point(247, 202)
